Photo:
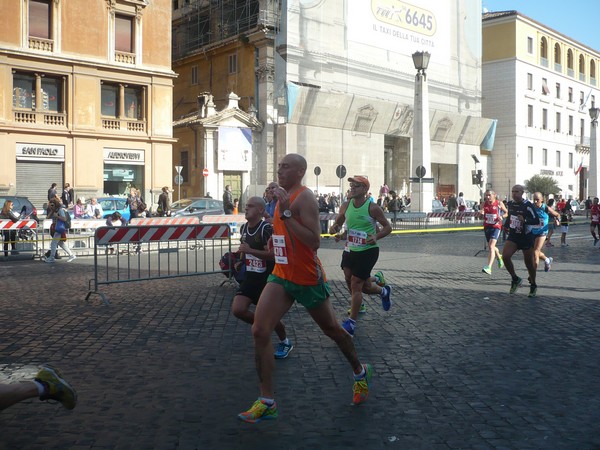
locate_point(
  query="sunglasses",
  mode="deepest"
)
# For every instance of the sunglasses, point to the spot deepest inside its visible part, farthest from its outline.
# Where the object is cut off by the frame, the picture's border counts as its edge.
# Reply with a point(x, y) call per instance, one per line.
point(355, 185)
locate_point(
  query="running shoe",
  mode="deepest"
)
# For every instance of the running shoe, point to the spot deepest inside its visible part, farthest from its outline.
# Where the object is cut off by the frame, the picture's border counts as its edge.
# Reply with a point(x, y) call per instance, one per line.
point(596, 240)
point(548, 265)
point(487, 269)
point(386, 301)
point(549, 244)
point(259, 411)
point(380, 279)
point(532, 291)
point(361, 387)
point(55, 387)
point(349, 326)
point(515, 284)
point(283, 350)
point(71, 258)
point(500, 262)
point(362, 310)
point(49, 260)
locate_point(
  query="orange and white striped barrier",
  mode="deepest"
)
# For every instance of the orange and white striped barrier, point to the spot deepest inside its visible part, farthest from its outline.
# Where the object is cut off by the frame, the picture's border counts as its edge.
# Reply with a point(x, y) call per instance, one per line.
point(164, 221)
point(7, 224)
point(162, 233)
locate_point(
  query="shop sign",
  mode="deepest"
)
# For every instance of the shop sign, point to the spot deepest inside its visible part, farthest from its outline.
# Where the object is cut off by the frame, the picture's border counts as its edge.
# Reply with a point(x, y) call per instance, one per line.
point(123, 156)
point(40, 152)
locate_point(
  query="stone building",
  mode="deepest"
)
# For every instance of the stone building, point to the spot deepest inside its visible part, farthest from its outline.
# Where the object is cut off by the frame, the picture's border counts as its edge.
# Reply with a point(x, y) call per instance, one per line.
point(86, 97)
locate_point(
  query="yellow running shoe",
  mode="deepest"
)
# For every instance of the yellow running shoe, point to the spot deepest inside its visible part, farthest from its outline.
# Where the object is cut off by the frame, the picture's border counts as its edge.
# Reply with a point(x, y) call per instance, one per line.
point(55, 387)
point(361, 387)
point(259, 411)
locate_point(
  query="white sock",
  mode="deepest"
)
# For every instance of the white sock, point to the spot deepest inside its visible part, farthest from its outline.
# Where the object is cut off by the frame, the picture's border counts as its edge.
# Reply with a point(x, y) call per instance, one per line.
point(547, 260)
point(267, 401)
point(40, 386)
point(286, 341)
point(361, 375)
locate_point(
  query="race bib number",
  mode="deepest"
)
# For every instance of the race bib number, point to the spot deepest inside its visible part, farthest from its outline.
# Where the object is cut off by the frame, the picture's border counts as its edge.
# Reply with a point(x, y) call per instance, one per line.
point(279, 249)
point(357, 238)
point(595, 217)
point(254, 264)
point(515, 223)
point(490, 219)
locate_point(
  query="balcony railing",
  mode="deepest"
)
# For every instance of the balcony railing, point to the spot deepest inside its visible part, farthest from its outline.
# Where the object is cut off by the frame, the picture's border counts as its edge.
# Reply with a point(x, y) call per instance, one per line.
point(544, 62)
point(125, 58)
point(45, 45)
point(557, 67)
point(40, 118)
point(571, 73)
point(135, 126)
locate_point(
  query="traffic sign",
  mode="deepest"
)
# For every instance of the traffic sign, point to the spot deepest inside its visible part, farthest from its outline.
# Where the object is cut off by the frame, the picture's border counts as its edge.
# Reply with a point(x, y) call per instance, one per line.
point(421, 171)
point(340, 171)
point(422, 180)
point(178, 169)
point(205, 172)
point(178, 180)
point(317, 171)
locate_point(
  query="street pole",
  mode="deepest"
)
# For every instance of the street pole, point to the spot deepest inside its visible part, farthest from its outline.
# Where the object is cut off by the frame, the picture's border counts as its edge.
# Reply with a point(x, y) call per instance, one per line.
point(593, 170)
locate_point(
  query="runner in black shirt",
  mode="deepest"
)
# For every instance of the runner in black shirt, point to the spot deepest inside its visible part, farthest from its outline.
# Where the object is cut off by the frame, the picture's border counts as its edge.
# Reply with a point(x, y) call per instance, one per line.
point(520, 213)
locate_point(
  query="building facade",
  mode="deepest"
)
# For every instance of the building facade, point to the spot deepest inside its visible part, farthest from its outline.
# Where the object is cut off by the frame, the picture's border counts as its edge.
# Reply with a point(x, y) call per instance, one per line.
point(334, 81)
point(86, 97)
point(539, 84)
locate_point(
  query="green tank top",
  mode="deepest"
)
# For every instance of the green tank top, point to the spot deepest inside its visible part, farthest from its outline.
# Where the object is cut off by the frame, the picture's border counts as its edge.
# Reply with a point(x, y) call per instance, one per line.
point(360, 224)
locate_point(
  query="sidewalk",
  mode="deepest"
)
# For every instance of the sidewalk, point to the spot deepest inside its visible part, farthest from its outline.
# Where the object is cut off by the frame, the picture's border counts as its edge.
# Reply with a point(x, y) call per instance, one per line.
point(459, 363)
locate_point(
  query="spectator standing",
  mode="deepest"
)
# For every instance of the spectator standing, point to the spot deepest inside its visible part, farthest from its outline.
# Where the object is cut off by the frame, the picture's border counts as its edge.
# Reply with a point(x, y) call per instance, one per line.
point(588, 206)
point(134, 201)
point(270, 200)
point(394, 206)
point(452, 203)
point(460, 201)
point(164, 205)
point(228, 200)
point(565, 217)
point(9, 236)
point(58, 214)
point(66, 196)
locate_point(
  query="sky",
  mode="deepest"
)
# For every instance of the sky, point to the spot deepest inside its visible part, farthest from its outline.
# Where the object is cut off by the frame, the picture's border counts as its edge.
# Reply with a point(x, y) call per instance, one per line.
point(577, 19)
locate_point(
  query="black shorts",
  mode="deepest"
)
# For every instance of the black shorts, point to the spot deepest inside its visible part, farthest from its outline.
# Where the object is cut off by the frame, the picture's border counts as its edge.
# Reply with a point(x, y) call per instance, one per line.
point(523, 241)
point(253, 285)
point(360, 263)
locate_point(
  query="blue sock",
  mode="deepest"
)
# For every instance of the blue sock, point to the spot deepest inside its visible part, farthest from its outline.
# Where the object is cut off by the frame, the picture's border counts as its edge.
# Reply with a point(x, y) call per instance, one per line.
point(267, 401)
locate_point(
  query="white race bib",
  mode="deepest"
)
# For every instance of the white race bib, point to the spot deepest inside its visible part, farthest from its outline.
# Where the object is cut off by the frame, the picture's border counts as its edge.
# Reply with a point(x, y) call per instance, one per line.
point(490, 219)
point(279, 249)
point(357, 238)
point(515, 223)
point(254, 264)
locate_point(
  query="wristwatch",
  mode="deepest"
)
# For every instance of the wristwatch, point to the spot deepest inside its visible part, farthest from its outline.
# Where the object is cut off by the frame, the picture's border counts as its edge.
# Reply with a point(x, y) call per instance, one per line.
point(287, 214)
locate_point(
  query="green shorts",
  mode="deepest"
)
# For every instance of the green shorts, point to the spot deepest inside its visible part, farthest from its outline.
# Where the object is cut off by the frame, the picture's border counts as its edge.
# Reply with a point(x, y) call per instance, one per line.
point(308, 296)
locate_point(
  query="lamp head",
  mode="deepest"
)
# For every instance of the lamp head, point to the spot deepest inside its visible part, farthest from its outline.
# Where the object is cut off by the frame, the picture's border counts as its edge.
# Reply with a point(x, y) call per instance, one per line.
point(421, 61)
point(475, 158)
point(594, 113)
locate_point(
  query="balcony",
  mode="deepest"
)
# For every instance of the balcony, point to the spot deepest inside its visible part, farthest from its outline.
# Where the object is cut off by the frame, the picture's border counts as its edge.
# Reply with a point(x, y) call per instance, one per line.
point(134, 126)
point(47, 118)
point(544, 62)
point(125, 58)
point(44, 45)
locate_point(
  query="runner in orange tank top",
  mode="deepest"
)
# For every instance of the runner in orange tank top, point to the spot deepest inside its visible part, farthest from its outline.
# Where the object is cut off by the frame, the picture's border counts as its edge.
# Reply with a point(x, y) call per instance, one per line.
point(298, 275)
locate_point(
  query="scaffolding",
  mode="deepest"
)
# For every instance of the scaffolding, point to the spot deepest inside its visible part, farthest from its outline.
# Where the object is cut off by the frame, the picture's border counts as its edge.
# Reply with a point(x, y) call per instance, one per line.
point(203, 23)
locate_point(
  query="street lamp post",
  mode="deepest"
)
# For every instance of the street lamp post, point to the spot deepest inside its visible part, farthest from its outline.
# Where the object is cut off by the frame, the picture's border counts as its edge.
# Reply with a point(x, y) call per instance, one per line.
point(421, 149)
point(593, 170)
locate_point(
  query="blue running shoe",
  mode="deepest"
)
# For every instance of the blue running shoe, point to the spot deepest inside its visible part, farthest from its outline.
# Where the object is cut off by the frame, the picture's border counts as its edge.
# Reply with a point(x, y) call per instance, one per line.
point(386, 301)
point(349, 326)
point(283, 350)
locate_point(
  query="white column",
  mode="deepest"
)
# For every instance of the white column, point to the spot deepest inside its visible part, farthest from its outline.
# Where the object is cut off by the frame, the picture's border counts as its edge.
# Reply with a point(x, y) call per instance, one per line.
point(211, 182)
point(593, 170)
point(422, 193)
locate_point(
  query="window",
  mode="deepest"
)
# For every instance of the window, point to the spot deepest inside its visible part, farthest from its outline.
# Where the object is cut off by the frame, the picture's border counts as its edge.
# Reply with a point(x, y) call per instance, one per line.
point(545, 89)
point(544, 119)
point(184, 163)
point(40, 19)
point(570, 160)
point(570, 62)
point(570, 95)
point(132, 104)
point(530, 45)
point(558, 158)
point(544, 52)
point(124, 34)
point(557, 58)
point(557, 90)
point(570, 125)
point(581, 68)
point(530, 81)
point(544, 157)
point(581, 130)
point(529, 115)
point(38, 92)
point(558, 122)
point(233, 63)
point(593, 71)
point(581, 98)
point(530, 155)
point(194, 74)
point(175, 4)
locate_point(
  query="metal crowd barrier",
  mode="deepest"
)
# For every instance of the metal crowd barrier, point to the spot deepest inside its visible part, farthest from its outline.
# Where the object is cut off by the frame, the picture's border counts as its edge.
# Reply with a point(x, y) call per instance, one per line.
point(25, 234)
point(150, 252)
